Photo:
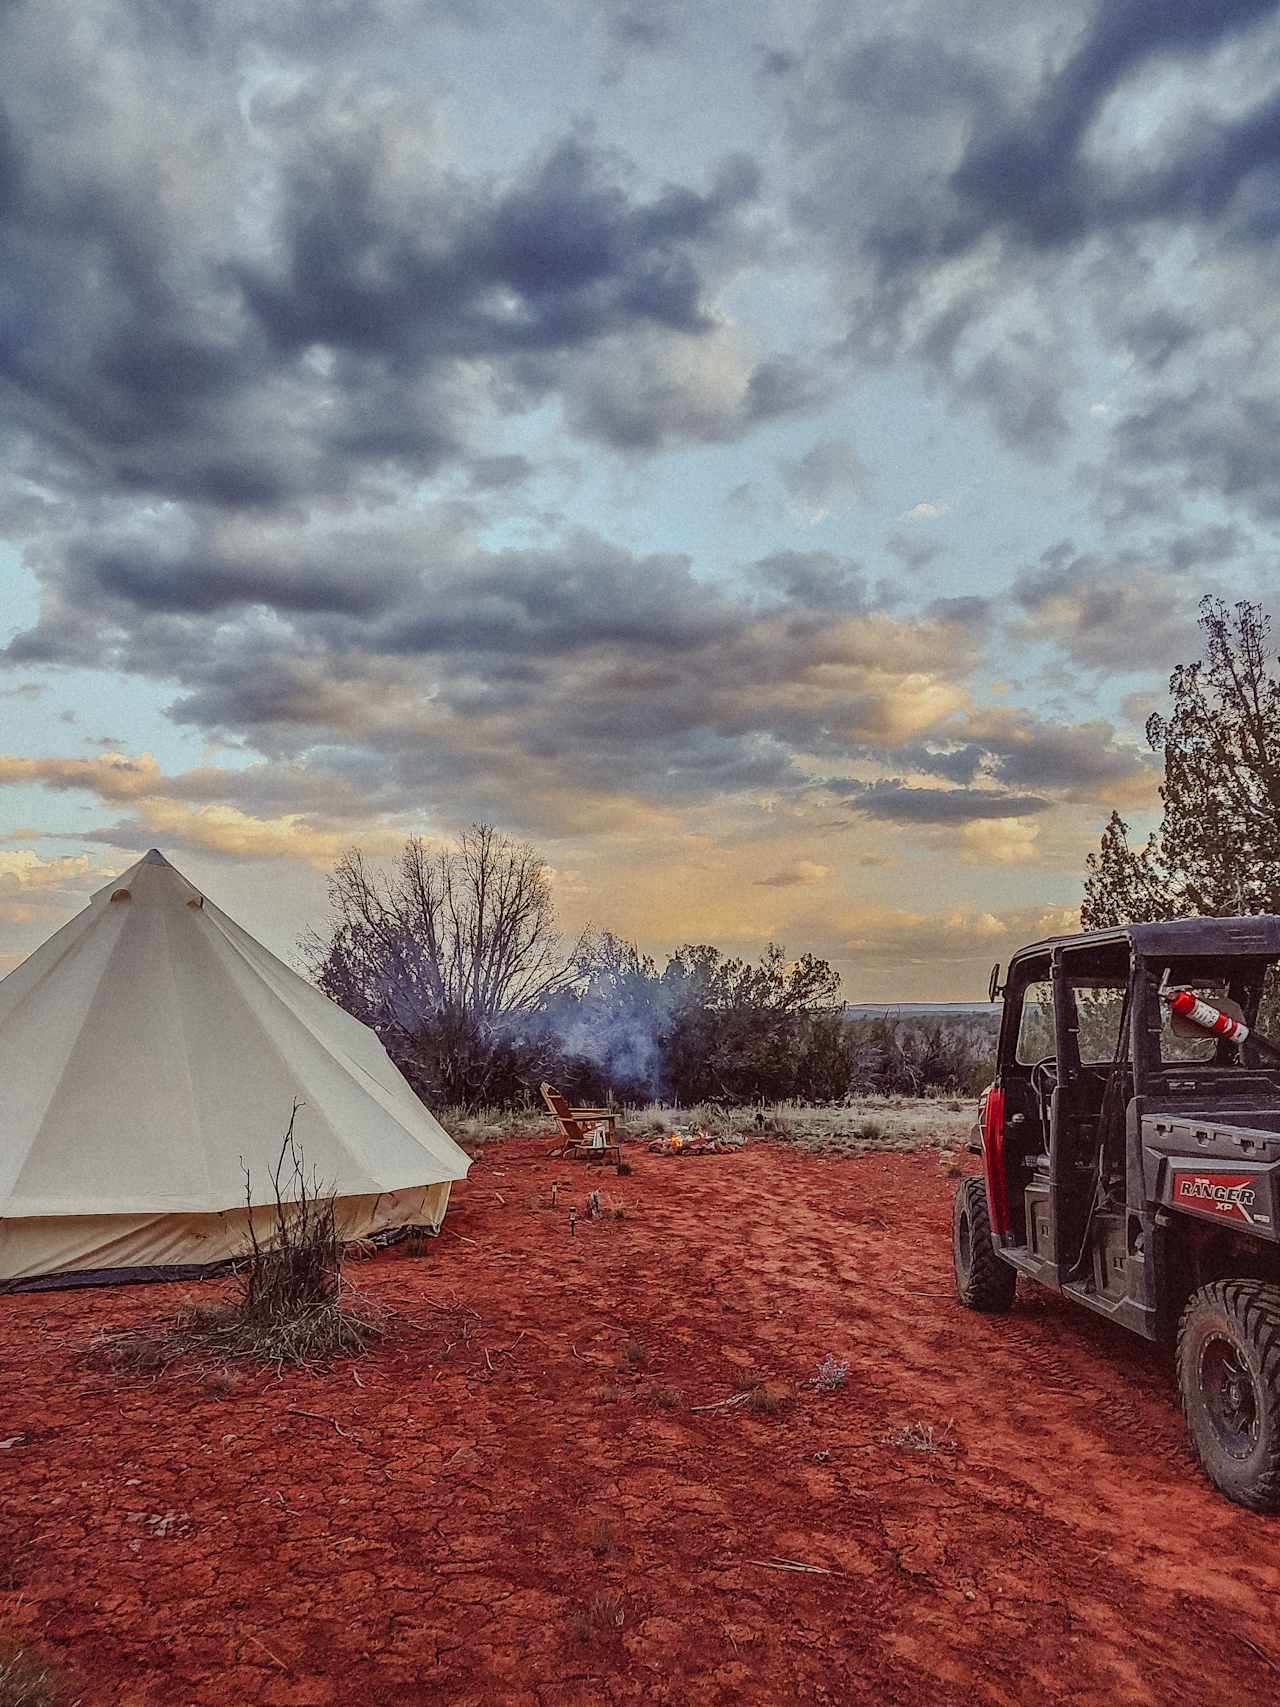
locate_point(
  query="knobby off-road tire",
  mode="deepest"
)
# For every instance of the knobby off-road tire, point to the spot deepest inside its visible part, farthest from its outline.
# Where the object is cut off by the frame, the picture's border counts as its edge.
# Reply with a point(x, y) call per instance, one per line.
point(1229, 1376)
point(984, 1281)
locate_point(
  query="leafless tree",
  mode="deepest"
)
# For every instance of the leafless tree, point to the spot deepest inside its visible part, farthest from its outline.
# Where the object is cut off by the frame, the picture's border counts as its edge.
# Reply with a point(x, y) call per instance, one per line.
point(440, 954)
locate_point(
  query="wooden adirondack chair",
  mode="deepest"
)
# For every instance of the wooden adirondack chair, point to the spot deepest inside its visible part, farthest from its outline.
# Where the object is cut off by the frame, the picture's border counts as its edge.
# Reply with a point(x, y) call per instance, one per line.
point(587, 1133)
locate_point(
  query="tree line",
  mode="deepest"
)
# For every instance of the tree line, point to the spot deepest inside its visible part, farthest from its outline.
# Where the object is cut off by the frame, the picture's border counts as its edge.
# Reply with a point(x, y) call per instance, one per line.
point(455, 958)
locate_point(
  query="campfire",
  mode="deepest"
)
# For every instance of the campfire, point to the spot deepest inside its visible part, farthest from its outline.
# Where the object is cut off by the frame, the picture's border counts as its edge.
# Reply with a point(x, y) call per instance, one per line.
point(689, 1142)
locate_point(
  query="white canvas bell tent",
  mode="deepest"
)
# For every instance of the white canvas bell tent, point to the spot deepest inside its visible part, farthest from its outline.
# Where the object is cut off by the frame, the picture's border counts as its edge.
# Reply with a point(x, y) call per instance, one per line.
point(150, 1052)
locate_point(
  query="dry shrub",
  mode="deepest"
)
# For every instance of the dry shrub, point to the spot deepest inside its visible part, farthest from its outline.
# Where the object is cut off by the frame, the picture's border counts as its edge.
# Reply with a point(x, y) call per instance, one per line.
point(28, 1680)
point(764, 1402)
point(923, 1437)
point(603, 1539)
point(602, 1618)
point(667, 1398)
point(636, 1354)
point(295, 1306)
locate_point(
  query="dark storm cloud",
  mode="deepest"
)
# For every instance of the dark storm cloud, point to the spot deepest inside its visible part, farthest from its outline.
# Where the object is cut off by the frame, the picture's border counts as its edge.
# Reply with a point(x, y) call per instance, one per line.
point(1011, 751)
point(204, 585)
point(814, 580)
point(578, 258)
point(242, 302)
point(1219, 443)
point(501, 677)
point(1129, 611)
point(396, 592)
point(1028, 175)
point(981, 204)
point(1080, 761)
point(586, 594)
point(955, 763)
point(1023, 170)
point(896, 802)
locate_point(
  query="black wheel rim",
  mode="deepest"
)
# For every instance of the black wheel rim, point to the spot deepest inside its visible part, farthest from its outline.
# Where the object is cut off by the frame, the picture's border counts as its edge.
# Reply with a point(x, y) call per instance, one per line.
point(1230, 1395)
point(964, 1240)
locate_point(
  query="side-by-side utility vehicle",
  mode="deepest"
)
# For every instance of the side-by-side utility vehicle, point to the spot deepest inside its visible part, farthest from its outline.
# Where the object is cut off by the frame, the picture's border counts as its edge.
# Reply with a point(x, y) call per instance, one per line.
point(1131, 1161)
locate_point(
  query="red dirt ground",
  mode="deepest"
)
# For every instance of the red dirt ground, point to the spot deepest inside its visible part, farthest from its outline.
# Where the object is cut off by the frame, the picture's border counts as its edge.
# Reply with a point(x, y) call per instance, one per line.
point(512, 1516)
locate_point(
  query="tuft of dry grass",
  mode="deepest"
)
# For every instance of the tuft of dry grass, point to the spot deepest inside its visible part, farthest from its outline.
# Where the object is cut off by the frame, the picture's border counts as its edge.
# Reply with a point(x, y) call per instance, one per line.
point(764, 1402)
point(636, 1354)
point(667, 1398)
point(602, 1618)
point(478, 1126)
point(603, 1538)
point(28, 1680)
point(848, 1128)
point(294, 1308)
point(922, 1437)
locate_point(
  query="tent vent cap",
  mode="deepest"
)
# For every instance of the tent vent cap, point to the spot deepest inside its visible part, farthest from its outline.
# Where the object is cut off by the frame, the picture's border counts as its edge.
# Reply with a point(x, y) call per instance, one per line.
point(196, 901)
point(121, 895)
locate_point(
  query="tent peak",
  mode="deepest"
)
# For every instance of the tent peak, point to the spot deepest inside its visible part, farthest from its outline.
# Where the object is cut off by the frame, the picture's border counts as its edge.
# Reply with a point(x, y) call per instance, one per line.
point(153, 856)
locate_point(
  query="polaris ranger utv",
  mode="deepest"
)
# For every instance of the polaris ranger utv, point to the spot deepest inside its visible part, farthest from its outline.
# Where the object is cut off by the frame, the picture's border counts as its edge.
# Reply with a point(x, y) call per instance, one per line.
point(1131, 1161)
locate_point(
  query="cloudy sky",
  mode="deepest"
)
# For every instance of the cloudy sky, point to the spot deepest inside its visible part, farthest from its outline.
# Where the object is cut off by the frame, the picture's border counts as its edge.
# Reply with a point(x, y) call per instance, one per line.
point(768, 455)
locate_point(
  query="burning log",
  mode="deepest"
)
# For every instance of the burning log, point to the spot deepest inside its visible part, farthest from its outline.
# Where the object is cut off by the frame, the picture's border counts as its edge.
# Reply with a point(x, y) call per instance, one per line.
point(686, 1144)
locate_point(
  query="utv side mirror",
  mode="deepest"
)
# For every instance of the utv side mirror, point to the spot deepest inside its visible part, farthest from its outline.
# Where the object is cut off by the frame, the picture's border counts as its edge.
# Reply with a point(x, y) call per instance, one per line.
point(993, 986)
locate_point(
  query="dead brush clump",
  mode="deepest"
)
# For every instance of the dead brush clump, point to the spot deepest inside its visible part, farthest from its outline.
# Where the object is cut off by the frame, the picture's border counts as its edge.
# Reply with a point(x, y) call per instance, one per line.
point(636, 1354)
point(762, 1401)
point(922, 1437)
point(603, 1538)
point(294, 1306)
point(28, 1680)
point(667, 1398)
point(603, 1618)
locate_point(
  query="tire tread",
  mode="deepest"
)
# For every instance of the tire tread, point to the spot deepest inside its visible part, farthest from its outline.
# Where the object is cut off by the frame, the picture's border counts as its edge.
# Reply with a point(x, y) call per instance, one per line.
point(990, 1283)
point(1253, 1309)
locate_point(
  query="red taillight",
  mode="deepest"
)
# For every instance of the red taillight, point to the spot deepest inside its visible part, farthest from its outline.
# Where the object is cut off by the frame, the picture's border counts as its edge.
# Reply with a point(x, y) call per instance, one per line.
point(993, 1160)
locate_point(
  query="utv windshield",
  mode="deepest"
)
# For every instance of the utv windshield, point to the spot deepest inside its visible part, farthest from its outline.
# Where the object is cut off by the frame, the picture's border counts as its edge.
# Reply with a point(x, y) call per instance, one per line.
point(1097, 1011)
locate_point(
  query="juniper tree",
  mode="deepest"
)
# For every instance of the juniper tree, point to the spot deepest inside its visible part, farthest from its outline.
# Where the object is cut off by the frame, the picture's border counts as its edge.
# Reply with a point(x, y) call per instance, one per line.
point(1218, 847)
